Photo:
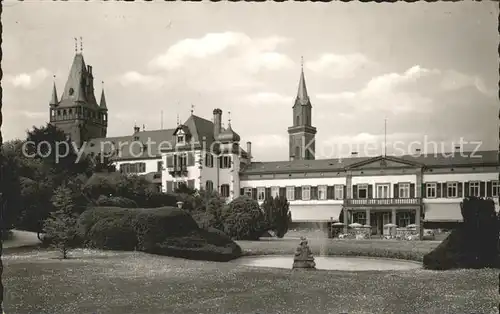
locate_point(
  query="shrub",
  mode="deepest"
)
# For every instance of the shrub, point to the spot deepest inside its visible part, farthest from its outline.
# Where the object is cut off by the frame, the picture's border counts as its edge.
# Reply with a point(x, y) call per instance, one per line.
point(149, 226)
point(155, 200)
point(200, 245)
point(115, 201)
point(167, 231)
point(113, 234)
point(474, 244)
point(244, 219)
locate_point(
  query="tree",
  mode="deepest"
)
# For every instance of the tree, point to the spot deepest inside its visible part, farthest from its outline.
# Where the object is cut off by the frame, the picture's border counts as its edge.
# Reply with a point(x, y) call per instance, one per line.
point(50, 145)
point(277, 215)
point(474, 243)
point(11, 189)
point(244, 219)
point(60, 227)
point(282, 216)
point(1, 212)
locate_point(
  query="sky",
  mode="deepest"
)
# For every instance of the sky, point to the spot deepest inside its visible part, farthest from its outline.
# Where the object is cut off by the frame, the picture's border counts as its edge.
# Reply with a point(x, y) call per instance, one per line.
point(377, 74)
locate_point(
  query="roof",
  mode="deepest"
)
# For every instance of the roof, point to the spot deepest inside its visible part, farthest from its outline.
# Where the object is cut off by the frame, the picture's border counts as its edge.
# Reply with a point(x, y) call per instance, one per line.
point(342, 164)
point(102, 103)
point(201, 130)
point(53, 99)
point(228, 135)
point(74, 90)
point(131, 147)
point(302, 96)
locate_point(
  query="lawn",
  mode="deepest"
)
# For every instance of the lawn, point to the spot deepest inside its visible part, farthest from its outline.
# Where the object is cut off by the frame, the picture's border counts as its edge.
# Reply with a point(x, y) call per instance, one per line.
point(133, 282)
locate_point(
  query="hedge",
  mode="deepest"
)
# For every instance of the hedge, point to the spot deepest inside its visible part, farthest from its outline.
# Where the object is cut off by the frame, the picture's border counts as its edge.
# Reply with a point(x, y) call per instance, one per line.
point(165, 230)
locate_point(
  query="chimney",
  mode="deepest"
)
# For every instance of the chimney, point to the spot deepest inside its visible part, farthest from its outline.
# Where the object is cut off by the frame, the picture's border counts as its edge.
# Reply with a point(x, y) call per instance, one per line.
point(217, 121)
point(137, 129)
point(418, 150)
point(89, 69)
point(458, 147)
point(354, 154)
point(249, 150)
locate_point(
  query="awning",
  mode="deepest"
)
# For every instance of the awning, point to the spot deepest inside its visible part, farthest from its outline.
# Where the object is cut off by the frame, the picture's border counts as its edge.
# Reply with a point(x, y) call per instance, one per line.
point(311, 213)
point(446, 212)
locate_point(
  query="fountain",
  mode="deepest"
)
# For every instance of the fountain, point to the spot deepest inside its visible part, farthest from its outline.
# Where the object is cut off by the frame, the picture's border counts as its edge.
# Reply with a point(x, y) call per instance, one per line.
point(303, 256)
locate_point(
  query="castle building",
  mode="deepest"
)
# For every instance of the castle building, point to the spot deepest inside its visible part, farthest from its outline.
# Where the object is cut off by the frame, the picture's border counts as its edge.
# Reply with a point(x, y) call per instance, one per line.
point(77, 113)
point(420, 189)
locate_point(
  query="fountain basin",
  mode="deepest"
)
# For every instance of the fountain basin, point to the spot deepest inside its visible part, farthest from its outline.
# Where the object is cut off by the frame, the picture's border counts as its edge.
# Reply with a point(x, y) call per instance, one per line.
point(342, 263)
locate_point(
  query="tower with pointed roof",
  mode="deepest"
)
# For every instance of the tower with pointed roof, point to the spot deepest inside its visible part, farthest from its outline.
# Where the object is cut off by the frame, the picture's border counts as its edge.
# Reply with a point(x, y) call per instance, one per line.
point(77, 113)
point(302, 134)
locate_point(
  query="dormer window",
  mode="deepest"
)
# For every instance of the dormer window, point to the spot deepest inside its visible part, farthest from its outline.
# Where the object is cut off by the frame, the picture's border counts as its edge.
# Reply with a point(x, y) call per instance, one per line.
point(181, 139)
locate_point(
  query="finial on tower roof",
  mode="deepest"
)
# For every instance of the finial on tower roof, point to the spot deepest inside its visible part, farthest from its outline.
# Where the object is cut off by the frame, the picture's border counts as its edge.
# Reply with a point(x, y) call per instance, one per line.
point(81, 44)
point(192, 108)
point(178, 121)
point(54, 100)
point(76, 45)
point(302, 62)
point(229, 118)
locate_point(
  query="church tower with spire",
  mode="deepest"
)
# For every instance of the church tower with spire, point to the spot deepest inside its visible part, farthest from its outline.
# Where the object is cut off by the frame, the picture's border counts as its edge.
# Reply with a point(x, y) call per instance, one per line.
point(77, 113)
point(302, 134)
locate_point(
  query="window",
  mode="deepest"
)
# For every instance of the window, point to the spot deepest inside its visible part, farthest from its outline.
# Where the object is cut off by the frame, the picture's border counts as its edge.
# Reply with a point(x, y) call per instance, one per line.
point(297, 152)
point(430, 190)
point(182, 160)
point(261, 194)
point(209, 160)
point(224, 190)
point(180, 139)
point(403, 219)
point(382, 190)
point(290, 193)
point(275, 191)
point(142, 167)
point(159, 166)
point(306, 192)
point(359, 218)
point(248, 192)
point(338, 192)
point(494, 188)
point(297, 120)
point(322, 192)
point(474, 188)
point(363, 191)
point(452, 189)
point(404, 190)
point(209, 186)
point(179, 184)
point(225, 162)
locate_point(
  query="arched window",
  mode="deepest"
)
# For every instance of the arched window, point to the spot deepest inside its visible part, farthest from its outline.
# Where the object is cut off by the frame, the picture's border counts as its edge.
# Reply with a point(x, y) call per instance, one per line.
point(209, 186)
point(297, 120)
point(224, 190)
point(297, 152)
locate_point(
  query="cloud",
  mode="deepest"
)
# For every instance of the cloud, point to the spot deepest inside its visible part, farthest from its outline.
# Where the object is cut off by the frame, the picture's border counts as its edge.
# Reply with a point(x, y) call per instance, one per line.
point(198, 48)
point(135, 78)
point(27, 80)
point(386, 93)
point(266, 146)
point(222, 61)
point(367, 144)
point(453, 80)
point(390, 81)
point(266, 99)
point(339, 66)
